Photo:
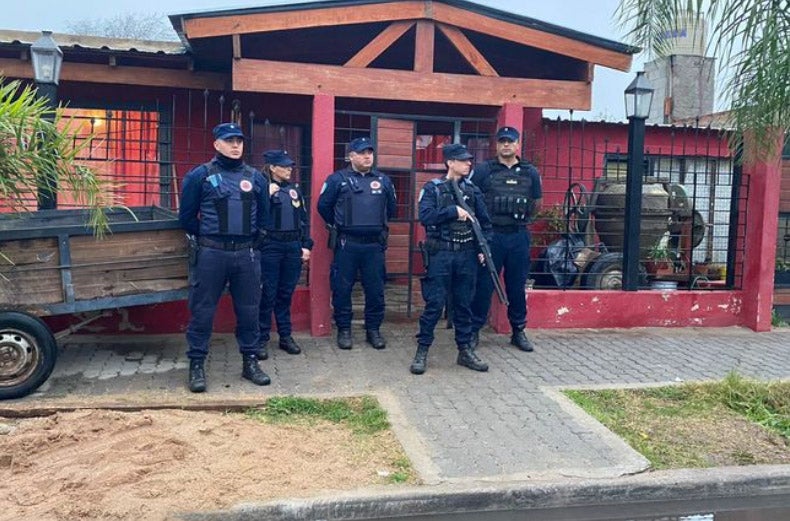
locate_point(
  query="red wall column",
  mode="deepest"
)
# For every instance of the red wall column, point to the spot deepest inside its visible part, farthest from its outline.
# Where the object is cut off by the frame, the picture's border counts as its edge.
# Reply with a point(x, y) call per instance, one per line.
point(510, 115)
point(760, 246)
point(323, 140)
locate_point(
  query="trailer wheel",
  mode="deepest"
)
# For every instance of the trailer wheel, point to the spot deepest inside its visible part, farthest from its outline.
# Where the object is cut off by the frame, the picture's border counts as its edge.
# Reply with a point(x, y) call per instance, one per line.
point(27, 354)
point(606, 272)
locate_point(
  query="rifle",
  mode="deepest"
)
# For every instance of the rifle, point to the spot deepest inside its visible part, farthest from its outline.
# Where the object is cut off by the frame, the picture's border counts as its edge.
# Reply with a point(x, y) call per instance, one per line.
point(481, 241)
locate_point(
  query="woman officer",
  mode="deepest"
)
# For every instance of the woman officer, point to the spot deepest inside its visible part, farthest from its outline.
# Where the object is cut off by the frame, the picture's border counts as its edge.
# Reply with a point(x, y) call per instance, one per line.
point(286, 244)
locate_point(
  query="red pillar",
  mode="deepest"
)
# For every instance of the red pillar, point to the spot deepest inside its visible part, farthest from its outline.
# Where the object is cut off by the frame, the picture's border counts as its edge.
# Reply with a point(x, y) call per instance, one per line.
point(323, 139)
point(760, 239)
point(510, 115)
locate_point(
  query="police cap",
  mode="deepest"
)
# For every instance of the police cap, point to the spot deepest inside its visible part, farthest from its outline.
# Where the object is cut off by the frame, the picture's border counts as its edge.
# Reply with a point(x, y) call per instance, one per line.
point(455, 151)
point(507, 133)
point(361, 144)
point(277, 158)
point(227, 131)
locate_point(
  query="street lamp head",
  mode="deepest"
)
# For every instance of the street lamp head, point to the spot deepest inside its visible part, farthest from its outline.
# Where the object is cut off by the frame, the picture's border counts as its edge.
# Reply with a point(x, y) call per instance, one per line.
point(47, 59)
point(638, 97)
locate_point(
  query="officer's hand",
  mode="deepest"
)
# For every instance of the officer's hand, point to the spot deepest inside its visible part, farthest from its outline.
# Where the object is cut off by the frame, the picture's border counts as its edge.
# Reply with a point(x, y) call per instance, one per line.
point(305, 254)
point(463, 215)
point(481, 258)
point(273, 188)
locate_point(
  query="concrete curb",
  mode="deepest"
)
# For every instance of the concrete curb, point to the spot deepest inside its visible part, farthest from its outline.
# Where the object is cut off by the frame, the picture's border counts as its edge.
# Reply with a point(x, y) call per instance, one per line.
point(726, 487)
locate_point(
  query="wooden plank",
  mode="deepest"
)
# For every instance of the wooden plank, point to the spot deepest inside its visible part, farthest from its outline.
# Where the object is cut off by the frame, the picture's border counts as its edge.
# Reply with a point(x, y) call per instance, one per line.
point(514, 32)
point(236, 46)
point(395, 149)
point(468, 50)
point(385, 161)
point(379, 44)
point(146, 76)
point(782, 297)
point(29, 272)
point(304, 18)
point(311, 79)
point(423, 46)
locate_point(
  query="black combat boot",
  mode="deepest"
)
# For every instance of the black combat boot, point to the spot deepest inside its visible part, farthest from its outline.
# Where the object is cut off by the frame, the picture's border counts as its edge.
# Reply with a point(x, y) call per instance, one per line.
point(420, 361)
point(263, 351)
point(197, 376)
point(252, 371)
point(468, 358)
point(374, 338)
point(520, 340)
point(289, 345)
point(475, 339)
point(344, 339)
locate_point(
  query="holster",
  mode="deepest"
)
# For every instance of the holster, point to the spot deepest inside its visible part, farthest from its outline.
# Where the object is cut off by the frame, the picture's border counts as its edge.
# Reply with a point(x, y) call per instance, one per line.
point(193, 248)
point(426, 256)
point(331, 241)
point(385, 234)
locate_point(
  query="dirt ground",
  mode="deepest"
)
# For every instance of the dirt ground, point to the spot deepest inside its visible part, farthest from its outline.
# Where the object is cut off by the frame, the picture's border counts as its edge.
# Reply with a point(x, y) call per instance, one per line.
point(103, 464)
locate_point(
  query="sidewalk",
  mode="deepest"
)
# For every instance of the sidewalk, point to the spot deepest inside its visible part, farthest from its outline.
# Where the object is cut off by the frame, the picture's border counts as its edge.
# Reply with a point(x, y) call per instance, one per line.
point(456, 425)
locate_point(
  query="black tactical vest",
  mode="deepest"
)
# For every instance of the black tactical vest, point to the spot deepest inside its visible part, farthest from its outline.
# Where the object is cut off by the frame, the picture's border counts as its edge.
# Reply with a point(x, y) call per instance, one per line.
point(454, 231)
point(509, 196)
point(362, 204)
point(228, 204)
point(286, 204)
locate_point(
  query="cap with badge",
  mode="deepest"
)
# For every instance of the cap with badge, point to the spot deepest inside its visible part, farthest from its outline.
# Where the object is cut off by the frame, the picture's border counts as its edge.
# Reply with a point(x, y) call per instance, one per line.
point(277, 158)
point(361, 144)
point(507, 133)
point(456, 151)
point(227, 131)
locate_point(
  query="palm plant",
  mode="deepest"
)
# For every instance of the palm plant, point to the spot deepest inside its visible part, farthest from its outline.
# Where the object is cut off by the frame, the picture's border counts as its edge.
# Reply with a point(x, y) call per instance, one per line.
point(750, 39)
point(39, 150)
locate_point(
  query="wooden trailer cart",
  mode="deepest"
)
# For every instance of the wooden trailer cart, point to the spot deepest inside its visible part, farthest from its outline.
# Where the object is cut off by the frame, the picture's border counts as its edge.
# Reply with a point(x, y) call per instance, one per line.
point(51, 264)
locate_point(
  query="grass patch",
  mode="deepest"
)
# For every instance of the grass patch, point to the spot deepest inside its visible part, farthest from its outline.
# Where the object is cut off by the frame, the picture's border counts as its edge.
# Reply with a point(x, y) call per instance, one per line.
point(362, 415)
point(735, 421)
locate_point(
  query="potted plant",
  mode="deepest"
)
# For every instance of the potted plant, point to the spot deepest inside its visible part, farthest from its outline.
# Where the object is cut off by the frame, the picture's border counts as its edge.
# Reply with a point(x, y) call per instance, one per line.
point(660, 261)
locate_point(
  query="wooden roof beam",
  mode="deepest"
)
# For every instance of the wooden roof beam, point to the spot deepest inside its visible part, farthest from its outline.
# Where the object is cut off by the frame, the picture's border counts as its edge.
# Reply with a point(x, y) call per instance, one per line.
point(468, 50)
point(379, 44)
point(311, 79)
point(142, 76)
point(520, 34)
point(423, 46)
point(303, 19)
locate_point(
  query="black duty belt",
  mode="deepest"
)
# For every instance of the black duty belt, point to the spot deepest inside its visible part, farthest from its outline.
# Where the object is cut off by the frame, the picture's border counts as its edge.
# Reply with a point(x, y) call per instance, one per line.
point(453, 246)
point(513, 228)
point(226, 245)
point(281, 236)
point(361, 239)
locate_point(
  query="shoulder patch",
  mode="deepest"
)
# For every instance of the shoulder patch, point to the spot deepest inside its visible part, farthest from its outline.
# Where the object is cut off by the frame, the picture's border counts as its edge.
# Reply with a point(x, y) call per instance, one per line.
point(323, 188)
point(422, 191)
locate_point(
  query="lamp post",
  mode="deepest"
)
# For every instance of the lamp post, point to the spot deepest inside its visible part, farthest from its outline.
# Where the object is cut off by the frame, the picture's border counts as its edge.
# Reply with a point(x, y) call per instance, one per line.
point(47, 59)
point(638, 97)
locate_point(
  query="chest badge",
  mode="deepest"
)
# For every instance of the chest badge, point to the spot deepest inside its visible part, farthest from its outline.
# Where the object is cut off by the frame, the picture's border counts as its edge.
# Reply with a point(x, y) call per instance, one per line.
point(245, 185)
point(294, 198)
point(375, 185)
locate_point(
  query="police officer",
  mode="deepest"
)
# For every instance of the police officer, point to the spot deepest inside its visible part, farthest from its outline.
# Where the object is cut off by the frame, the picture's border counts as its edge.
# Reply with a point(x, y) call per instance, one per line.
point(512, 191)
point(286, 243)
point(358, 201)
point(223, 204)
point(453, 256)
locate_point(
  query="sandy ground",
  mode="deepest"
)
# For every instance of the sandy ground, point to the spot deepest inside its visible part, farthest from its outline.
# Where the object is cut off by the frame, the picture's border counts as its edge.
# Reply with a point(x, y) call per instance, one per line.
point(103, 464)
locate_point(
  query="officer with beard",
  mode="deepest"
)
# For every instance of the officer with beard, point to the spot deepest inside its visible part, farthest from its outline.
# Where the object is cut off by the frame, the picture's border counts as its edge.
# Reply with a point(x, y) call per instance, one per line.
point(512, 190)
point(357, 202)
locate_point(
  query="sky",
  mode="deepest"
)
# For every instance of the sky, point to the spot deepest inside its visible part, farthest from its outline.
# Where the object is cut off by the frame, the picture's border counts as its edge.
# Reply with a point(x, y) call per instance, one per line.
point(590, 16)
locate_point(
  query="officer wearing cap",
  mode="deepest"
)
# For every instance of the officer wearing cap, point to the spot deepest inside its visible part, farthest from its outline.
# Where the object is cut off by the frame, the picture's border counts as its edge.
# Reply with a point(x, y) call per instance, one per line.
point(358, 201)
point(453, 256)
point(285, 244)
point(223, 204)
point(512, 190)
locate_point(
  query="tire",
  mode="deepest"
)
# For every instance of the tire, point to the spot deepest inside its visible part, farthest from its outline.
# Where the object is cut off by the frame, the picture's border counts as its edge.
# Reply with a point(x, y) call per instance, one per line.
point(606, 272)
point(28, 352)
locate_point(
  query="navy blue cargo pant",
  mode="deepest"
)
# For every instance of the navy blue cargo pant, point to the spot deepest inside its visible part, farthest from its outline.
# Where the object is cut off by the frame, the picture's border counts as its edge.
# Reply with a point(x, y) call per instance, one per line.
point(241, 271)
point(448, 271)
point(511, 251)
point(281, 266)
point(350, 258)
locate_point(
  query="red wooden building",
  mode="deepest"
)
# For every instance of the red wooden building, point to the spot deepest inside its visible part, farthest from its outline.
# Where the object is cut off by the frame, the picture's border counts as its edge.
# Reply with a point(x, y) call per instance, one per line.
point(414, 74)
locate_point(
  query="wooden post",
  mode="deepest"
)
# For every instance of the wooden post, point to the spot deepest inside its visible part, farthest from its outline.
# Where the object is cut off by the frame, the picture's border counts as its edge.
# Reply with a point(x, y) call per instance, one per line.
point(323, 140)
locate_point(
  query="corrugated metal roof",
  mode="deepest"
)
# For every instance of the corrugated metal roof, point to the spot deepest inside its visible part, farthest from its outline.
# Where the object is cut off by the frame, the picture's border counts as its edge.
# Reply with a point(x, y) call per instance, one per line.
point(74, 41)
point(532, 23)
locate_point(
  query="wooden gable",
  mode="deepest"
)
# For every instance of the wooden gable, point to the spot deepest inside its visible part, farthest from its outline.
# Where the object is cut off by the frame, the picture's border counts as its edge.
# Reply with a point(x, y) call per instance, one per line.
point(419, 50)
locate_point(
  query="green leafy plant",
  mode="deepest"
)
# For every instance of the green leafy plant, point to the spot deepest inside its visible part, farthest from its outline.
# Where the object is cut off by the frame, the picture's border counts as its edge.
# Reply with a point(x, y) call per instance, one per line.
point(782, 265)
point(39, 150)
